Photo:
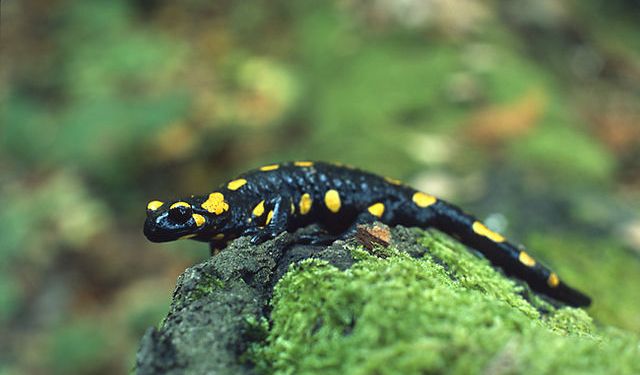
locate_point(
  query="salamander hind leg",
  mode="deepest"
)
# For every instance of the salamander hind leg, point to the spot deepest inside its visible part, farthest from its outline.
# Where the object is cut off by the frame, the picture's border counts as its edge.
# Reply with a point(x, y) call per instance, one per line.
point(321, 237)
point(362, 219)
point(318, 237)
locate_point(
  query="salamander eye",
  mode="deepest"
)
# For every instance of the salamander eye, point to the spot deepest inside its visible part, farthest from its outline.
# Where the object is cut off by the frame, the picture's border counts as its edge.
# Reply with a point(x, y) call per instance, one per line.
point(180, 213)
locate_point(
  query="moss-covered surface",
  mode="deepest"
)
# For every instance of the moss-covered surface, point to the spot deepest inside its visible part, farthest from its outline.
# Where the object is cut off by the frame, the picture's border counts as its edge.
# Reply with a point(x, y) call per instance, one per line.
point(426, 304)
point(445, 312)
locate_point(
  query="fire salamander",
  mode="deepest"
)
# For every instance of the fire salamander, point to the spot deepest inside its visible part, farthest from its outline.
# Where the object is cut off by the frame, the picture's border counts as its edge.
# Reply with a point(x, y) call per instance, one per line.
point(284, 197)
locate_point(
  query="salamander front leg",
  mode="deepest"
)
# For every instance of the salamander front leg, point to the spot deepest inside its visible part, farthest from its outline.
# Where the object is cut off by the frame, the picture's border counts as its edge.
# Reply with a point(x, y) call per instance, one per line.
point(276, 222)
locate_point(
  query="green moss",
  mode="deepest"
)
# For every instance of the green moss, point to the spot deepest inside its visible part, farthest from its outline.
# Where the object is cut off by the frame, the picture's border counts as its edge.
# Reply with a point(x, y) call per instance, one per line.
point(481, 276)
point(205, 288)
point(447, 312)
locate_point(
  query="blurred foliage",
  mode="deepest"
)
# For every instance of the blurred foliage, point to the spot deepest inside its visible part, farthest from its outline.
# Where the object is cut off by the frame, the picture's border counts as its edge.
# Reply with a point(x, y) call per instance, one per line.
point(528, 109)
point(585, 160)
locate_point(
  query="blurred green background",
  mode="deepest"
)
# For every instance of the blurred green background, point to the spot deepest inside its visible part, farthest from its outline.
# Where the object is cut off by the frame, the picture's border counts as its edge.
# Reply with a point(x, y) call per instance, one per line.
point(526, 113)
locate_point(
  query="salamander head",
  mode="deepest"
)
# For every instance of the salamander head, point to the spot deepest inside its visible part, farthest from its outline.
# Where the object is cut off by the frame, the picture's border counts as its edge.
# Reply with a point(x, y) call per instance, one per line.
point(183, 219)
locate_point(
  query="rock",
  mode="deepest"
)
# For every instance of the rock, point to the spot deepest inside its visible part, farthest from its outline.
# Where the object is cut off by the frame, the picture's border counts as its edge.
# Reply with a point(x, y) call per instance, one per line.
point(217, 304)
point(425, 304)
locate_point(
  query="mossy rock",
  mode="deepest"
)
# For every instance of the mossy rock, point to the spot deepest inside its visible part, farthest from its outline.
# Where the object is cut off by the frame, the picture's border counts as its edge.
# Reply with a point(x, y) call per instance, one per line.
point(425, 304)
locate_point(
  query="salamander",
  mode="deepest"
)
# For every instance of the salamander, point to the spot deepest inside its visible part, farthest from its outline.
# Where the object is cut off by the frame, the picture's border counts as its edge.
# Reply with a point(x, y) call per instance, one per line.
point(266, 201)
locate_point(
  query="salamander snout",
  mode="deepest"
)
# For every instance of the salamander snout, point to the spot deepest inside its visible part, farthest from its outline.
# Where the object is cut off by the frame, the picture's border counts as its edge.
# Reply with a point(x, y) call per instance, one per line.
point(170, 222)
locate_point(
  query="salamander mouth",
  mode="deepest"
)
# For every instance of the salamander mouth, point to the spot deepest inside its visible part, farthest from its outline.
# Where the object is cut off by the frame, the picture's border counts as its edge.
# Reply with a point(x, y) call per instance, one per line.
point(154, 233)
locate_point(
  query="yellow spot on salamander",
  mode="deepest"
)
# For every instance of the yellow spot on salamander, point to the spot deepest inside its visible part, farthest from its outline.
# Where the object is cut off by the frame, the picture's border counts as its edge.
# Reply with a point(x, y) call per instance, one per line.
point(218, 236)
point(216, 203)
point(179, 204)
point(269, 217)
point(526, 259)
point(258, 210)
point(271, 167)
point(303, 163)
point(332, 200)
point(482, 230)
point(376, 209)
point(423, 200)
point(154, 205)
point(187, 236)
point(553, 280)
point(199, 219)
point(236, 184)
point(305, 203)
point(393, 181)
point(293, 207)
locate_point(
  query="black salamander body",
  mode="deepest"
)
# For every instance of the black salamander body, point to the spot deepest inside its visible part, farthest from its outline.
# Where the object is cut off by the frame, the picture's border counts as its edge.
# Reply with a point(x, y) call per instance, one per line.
point(284, 197)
